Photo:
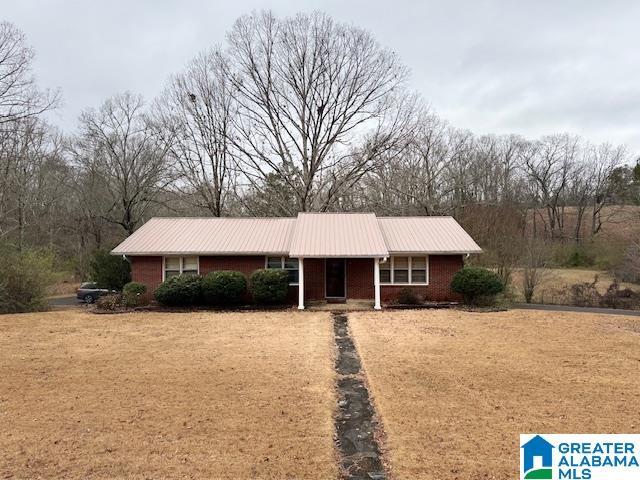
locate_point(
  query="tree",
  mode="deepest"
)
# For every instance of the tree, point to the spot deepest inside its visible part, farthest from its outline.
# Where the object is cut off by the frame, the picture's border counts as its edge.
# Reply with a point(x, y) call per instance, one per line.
point(193, 117)
point(534, 262)
point(117, 144)
point(318, 103)
point(110, 271)
point(19, 95)
point(548, 164)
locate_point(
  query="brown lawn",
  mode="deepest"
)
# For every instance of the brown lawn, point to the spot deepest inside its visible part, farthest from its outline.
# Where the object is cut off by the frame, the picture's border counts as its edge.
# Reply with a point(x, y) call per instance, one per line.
point(455, 389)
point(156, 395)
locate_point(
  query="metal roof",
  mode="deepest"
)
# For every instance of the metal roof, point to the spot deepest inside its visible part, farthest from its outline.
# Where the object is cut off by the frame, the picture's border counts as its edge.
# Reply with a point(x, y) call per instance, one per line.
point(337, 235)
point(308, 235)
point(221, 236)
point(426, 235)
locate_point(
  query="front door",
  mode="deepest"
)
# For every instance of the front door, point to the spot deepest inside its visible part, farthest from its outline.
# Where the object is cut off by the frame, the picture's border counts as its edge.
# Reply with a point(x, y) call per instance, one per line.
point(334, 277)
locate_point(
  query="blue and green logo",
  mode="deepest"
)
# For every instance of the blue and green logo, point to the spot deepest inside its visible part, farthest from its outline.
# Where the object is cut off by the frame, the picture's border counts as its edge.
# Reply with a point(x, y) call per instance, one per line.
point(537, 459)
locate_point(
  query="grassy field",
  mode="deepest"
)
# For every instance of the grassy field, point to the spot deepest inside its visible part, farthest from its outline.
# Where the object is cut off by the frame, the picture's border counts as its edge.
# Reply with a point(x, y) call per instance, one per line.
point(455, 389)
point(157, 395)
point(555, 281)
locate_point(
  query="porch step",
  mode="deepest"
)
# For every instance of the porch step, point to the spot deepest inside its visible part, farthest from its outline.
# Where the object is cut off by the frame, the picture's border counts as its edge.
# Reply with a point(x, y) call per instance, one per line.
point(336, 300)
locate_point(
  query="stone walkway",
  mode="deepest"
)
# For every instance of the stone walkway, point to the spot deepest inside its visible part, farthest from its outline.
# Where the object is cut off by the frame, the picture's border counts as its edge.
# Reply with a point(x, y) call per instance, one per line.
point(360, 457)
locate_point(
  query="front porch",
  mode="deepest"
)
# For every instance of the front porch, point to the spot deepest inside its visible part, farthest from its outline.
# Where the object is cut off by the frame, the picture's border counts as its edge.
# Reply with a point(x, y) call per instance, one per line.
point(335, 281)
point(349, 305)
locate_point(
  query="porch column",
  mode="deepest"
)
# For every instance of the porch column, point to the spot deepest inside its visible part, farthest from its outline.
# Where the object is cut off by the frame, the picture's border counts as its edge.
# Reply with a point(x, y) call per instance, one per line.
point(376, 282)
point(301, 284)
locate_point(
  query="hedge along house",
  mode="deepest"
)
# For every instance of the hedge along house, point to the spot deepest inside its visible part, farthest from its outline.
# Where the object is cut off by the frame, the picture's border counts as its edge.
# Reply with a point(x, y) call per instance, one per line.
point(329, 256)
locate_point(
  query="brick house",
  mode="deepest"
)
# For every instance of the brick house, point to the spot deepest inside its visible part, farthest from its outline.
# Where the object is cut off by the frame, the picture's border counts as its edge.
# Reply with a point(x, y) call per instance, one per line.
point(329, 256)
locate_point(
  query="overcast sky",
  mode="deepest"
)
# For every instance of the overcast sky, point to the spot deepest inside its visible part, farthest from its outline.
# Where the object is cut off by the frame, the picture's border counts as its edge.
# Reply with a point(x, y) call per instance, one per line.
point(533, 67)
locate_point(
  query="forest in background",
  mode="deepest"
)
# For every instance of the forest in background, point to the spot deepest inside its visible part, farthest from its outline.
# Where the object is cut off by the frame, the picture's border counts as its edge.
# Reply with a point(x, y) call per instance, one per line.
point(295, 114)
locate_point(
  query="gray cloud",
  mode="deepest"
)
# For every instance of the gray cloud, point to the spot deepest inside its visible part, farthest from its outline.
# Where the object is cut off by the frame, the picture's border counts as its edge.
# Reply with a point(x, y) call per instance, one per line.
point(491, 66)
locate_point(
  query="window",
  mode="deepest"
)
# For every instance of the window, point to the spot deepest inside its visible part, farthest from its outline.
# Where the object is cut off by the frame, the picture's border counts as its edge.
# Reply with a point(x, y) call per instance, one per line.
point(174, 266)
point(418, 270)
point(171, 267)
point(288, 264)
point(401, 270)
point(385, 271)
point(405, 271)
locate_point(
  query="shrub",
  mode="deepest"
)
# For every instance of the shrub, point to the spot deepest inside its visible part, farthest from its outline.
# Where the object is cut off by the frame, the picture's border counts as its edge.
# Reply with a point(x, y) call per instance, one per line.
point(578, 257)
point(224, 288)
point(406, 296)
point(24, 278)
point(181, 291)
point(584, 294)
point(109, 271)
point(270, 286)
point(476, 282)
point(616, 297)
point(110, 303)
point(133, 294)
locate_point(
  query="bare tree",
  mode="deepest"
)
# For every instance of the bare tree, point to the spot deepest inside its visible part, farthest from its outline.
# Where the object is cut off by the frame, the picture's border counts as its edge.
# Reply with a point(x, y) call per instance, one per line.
point(318, 102)
point(32, 181)
point(534, 262)
point(193, 117)
point(602, 163)
point(19, 95)
point(116, 143)
point(548, 164)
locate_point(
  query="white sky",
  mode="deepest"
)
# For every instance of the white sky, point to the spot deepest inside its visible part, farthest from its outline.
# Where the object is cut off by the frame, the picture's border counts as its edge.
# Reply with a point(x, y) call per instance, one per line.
point(530, 67)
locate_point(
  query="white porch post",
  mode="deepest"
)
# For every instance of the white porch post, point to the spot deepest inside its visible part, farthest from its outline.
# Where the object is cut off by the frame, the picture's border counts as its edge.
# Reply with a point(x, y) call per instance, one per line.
point(301, 284)
point(376, 282)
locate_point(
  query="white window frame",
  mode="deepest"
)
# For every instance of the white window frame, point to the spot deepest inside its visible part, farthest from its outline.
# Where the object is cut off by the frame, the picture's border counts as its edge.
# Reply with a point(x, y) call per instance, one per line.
point(181, 257)
point(282, 258)
point(390, 261)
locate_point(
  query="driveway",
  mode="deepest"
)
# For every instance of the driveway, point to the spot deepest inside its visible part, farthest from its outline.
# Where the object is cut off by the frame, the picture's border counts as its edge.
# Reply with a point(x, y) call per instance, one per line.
point(568, 308)
point(68, 301)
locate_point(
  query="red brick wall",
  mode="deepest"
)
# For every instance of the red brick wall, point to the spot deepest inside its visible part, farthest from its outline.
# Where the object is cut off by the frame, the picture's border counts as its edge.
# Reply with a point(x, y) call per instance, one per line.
point(313, 279)
point(442, 268)
point(360, 278)
point(147, 270)
point(243, 264)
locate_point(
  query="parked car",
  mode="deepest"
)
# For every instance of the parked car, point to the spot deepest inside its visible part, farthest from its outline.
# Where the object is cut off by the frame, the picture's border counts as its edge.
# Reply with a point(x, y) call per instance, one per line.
point(89, 292)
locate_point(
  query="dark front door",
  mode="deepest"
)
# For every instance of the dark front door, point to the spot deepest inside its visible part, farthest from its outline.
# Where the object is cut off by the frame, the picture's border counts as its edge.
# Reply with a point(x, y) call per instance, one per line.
point(334, 276)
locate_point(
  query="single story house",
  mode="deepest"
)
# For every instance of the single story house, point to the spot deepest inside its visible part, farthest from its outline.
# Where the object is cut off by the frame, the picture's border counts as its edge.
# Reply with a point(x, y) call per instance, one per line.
point(329, 256)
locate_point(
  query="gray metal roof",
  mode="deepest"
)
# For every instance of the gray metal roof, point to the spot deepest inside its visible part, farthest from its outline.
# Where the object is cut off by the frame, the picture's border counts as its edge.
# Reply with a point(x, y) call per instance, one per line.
point(221, 236)
point(438, 235)
point(337, 235)
point(308, 235)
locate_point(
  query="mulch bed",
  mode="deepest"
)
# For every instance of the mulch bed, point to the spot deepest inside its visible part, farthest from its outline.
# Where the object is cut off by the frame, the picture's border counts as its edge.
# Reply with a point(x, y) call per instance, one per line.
point(419, 306)
point(164, 309)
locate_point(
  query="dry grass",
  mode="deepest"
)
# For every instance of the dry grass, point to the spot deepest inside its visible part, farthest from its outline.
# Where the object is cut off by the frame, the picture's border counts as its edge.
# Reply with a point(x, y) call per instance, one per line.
point(157, 395)
point(455, 389)
point(555, 281)
point(65, 283)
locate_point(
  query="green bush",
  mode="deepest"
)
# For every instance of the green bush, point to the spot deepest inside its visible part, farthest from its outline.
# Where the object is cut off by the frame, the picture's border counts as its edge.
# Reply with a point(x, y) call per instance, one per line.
point(24, 278)
point(181, 291)
point(475, 283)
point(224, 288)
point(578, 256)
point(407, 296)
point(270, 286)
point(109, 271)
point(133, 294)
